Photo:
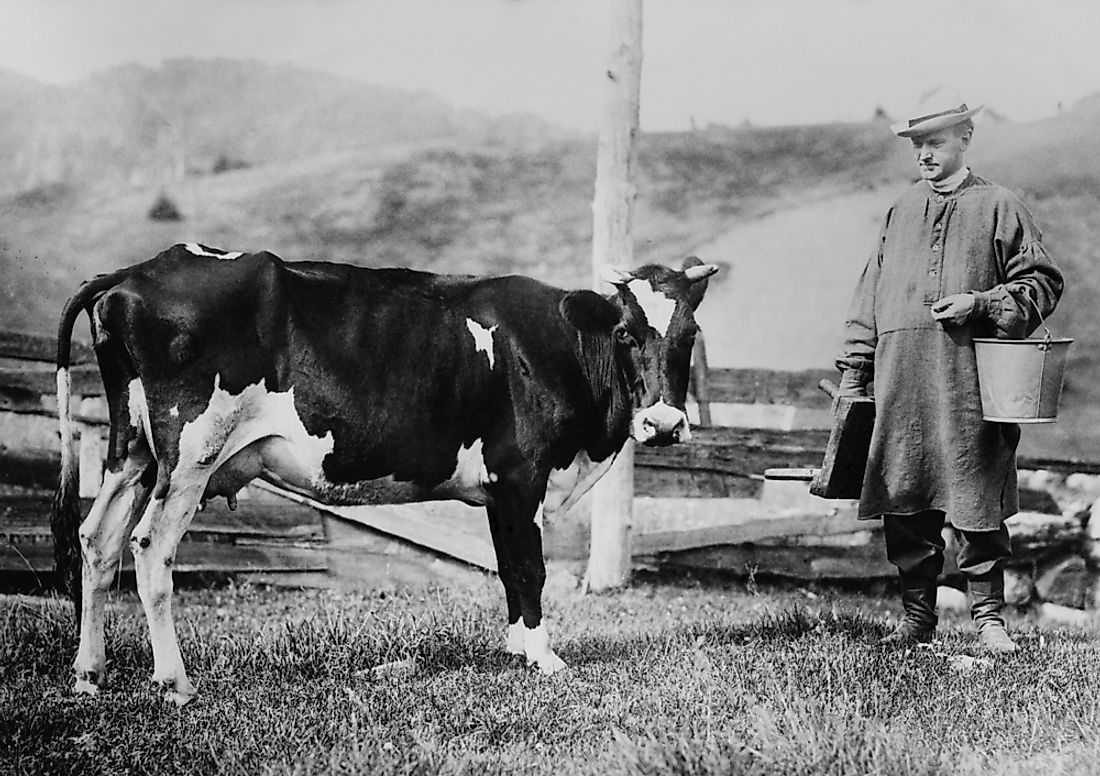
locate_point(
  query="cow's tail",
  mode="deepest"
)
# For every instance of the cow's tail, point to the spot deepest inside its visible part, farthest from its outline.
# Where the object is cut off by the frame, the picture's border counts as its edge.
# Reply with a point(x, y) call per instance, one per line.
point(65, 511)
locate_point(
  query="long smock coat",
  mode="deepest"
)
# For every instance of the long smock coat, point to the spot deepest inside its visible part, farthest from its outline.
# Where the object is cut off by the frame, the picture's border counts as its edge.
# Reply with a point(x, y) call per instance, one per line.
point(930, 448)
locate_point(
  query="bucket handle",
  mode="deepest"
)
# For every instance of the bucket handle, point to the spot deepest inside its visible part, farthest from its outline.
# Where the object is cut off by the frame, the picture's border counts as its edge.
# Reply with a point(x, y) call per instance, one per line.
point(1042, 321)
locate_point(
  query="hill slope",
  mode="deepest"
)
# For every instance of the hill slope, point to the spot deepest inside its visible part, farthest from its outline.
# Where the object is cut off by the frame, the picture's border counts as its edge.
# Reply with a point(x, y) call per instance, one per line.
point(791, 212)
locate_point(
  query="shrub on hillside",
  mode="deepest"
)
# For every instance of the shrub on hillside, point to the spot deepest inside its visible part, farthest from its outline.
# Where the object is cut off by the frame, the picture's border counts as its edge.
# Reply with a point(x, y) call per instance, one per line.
point(164, 209)
point(226, 163)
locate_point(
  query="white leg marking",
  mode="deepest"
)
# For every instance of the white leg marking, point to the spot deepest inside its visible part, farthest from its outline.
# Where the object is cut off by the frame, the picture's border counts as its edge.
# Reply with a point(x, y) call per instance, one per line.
point(154, 542)
point(536, 645)
point(513, 644)
point(483, 338)
point(102, 536)
point(658, 308)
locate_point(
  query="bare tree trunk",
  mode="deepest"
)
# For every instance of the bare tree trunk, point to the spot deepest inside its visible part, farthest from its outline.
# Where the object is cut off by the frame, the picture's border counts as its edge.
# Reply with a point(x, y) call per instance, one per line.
point(612, 243)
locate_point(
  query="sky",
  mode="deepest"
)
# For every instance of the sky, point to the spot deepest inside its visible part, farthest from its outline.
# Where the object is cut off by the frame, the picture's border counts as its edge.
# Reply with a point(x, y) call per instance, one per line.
point(768, 62)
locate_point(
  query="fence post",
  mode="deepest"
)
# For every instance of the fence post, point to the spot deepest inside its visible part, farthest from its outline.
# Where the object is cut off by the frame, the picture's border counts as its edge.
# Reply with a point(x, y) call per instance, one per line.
point(612, 244)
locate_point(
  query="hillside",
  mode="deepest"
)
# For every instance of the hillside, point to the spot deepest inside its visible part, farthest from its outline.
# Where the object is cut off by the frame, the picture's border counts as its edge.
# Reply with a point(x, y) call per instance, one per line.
point(790, 212)
point(137, 124)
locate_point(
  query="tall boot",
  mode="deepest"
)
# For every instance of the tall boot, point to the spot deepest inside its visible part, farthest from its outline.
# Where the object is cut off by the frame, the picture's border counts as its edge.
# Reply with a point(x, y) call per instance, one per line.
point(987, 598)
point(918, 599)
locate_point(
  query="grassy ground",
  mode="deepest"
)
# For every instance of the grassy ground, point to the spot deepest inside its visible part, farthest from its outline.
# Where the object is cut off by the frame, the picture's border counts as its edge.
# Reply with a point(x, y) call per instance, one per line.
point(686, 678)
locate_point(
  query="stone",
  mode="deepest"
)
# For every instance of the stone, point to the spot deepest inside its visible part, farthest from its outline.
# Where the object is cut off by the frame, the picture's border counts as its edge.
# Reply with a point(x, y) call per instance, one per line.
point(1064, 615)
point(1084, 485)
point(1065, 582)
point(1037, 536)
point(1019, 587)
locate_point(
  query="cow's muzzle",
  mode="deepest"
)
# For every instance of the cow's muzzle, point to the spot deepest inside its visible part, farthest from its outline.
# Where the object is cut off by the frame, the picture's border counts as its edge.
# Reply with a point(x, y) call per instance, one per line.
point(659, 425)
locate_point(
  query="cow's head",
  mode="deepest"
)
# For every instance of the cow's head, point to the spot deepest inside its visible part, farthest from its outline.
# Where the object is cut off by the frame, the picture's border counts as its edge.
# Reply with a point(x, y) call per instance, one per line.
point(652, 320)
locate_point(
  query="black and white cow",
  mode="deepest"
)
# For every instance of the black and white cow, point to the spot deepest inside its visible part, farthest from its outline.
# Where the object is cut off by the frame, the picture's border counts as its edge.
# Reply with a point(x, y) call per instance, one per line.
point(357, 386)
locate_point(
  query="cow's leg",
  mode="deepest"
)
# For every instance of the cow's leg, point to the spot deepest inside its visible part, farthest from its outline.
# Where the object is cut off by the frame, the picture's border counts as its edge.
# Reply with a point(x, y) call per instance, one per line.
point(517, 539)
point(102, 536)
point(154, 542)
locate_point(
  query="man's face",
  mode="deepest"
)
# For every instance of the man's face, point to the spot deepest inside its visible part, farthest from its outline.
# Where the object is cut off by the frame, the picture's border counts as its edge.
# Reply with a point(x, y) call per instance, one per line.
point(940, 154)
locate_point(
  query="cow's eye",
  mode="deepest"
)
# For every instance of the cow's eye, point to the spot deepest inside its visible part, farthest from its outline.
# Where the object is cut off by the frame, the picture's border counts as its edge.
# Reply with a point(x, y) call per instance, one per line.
point(624, 337)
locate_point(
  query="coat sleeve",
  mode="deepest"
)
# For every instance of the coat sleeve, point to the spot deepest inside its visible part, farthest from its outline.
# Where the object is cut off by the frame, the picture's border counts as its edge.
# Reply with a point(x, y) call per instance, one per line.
point(857, 360)
point(1030, 284)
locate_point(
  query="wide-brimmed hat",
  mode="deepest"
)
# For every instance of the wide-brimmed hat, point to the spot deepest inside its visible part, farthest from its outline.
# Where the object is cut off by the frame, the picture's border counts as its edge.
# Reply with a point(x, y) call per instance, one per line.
point(939, 110)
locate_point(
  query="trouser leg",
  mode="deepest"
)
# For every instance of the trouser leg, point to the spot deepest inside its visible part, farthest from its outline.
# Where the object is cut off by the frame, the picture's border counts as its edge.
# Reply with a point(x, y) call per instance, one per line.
point(982, 555)
point(914, 543)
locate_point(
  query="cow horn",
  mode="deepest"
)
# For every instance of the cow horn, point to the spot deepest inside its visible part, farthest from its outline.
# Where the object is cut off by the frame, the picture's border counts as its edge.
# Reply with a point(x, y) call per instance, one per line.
point(614, 275)
point(698, 272)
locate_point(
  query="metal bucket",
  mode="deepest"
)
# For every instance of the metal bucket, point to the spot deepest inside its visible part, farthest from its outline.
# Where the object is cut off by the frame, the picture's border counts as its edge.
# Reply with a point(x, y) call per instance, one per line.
point(1021, 380)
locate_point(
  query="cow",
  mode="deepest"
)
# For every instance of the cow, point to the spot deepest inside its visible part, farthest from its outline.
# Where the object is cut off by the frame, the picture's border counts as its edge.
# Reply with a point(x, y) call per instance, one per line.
point(356, 386)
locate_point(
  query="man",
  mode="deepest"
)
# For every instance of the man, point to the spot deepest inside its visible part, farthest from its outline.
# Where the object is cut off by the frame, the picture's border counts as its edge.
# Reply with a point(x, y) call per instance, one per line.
point(957, 257)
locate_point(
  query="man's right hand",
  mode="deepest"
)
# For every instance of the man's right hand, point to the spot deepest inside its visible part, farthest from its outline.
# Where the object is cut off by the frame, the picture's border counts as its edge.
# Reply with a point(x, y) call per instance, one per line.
point(851, 384)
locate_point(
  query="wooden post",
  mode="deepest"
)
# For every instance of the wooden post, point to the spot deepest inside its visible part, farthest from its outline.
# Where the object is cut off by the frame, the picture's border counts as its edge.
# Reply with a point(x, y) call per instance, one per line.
point(612, 244)
point(699, 379)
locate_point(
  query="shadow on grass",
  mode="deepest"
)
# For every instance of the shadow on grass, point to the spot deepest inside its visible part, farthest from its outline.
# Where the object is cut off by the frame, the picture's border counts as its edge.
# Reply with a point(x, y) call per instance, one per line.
point(786, 626)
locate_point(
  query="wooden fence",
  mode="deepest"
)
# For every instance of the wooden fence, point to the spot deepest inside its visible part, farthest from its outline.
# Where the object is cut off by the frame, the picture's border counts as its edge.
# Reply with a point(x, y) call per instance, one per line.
point(703, 504)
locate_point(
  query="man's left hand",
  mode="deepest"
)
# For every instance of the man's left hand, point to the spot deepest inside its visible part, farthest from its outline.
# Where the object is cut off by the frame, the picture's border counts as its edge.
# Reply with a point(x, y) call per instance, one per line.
point(954, 309)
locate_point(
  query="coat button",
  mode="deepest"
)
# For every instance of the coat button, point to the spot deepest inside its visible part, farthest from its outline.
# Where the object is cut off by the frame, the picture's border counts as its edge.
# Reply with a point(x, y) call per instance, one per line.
point(932, 272)
point(935, 247)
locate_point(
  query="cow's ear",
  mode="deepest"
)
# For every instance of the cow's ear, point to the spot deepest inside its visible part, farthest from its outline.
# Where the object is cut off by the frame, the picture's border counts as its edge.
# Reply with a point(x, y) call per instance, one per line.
point(588, 311)
point(697, 272)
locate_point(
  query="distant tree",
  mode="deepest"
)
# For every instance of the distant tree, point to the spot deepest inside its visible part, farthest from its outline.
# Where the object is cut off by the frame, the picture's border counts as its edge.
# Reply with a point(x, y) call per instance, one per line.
point(880, 114)
point(164, 209)
point(226, 163)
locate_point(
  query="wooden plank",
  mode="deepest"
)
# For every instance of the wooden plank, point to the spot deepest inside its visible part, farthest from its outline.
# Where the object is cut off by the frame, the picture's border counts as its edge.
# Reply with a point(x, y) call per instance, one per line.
point(448, 527)
point(28, 516)
point(27, 346)
point(1066, 465)
point(191, 556)
point(661, 482)
point(29, 468)
point(738, 451)
point(803, 563)
point(744, 528)
point(768, 386)
point(42, 379)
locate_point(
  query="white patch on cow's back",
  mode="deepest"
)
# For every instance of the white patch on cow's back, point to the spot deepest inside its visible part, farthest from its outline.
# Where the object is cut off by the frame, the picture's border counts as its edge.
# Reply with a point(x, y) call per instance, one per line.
point(565, 486)
point(658, 307)
point(212, 253)
point(139, 411)
point(483, 338)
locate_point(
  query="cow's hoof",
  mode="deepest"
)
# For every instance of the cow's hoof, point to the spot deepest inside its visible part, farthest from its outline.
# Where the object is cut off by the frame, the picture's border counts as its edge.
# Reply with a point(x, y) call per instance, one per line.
point(178, 698)
point(89, 682)
point(84, 687)
point(176, 692)
point(549, 664)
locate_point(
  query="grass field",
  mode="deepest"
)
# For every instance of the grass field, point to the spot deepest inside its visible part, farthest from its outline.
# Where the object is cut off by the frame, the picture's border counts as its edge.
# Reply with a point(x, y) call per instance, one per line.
point(681, 677)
